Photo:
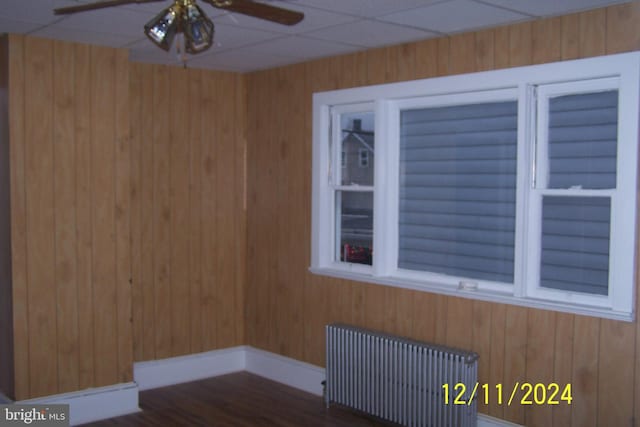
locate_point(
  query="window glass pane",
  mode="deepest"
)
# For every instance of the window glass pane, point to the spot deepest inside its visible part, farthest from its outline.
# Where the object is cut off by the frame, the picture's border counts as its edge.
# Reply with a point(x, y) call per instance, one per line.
point(458, 190)
point(575, 244)
point(357, 145)
point(355, 226)
point(583, 134)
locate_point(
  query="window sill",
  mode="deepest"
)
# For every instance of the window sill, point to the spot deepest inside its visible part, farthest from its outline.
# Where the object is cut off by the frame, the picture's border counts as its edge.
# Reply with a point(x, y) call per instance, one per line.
point(478, 294)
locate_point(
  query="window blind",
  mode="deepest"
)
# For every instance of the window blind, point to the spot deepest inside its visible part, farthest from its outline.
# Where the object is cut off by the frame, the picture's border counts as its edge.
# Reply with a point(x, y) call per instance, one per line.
point(582, 145)
point(575, 244)
point(583, 134)
point(458, 190)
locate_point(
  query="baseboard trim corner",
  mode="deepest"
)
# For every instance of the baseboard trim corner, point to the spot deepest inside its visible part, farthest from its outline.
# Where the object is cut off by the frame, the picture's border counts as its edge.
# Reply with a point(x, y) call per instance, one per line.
point(285, 370)
point(192, 367)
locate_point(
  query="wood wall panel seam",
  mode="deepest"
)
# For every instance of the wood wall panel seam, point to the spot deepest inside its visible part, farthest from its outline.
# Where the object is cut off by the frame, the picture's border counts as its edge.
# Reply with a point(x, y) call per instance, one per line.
point(83, 133)
point(18, 217)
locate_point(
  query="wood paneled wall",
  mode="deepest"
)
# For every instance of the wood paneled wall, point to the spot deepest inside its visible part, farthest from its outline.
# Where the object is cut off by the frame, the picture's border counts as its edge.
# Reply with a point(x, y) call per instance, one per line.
point(128, 201)
point(70, 166)
point(287, 307)
point(6, 309)
point(188, 210)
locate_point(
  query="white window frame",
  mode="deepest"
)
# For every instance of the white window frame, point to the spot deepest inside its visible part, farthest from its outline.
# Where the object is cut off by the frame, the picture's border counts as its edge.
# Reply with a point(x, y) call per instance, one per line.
point(327, 156)
point(620, 220)
point(519, 83)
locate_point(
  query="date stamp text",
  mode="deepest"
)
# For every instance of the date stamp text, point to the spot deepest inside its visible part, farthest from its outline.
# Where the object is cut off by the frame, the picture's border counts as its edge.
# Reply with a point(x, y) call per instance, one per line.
point(520, 394)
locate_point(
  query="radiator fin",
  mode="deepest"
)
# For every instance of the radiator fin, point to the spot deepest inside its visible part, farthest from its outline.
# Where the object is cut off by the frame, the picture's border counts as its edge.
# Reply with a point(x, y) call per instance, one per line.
point(398, 379)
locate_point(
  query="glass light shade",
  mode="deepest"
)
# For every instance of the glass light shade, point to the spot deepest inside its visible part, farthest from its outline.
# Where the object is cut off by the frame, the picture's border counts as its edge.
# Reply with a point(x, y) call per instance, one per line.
point(198, 29)
point(162, 29)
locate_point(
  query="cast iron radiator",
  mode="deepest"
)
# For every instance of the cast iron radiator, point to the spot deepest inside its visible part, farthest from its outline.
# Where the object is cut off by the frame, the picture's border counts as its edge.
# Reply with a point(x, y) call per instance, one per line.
point(400, 380)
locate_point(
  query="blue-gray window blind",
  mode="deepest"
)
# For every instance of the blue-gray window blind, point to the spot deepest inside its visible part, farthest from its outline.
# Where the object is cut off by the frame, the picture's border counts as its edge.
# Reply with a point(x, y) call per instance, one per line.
point(575, 244)
point(582, 145)
point(458, 190)
point(583, 135)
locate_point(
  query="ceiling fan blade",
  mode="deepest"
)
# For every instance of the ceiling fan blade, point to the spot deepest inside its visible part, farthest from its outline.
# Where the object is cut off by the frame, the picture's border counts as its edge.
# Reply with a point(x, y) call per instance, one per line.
point(259, 10)
point(98, 5)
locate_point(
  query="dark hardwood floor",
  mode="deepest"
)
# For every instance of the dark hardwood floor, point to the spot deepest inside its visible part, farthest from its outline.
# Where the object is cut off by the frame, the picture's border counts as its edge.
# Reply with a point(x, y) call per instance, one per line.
point(239, 399)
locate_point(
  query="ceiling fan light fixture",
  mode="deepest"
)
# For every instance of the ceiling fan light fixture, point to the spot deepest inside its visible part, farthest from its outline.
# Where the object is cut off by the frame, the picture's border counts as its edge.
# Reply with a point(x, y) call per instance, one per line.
point(198, 29)
point(185, 19)
point(162, 29)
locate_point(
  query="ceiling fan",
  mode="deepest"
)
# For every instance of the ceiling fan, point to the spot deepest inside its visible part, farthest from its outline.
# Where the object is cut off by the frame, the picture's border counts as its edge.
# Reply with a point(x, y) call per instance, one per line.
point(185, 17)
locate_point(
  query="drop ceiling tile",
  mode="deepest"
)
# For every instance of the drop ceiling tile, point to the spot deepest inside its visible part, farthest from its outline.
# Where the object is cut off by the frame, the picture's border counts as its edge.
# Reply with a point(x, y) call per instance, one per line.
point(313, 19)
point(151, 9)
point(80, 36)
point(302, 47)
point(368, 33)
point(17, 27)
point(34, 11)
point(364, 8)
point(240, 60)
point(110, 21)
point(454, 16)
point(230, 36)
point(551, 7)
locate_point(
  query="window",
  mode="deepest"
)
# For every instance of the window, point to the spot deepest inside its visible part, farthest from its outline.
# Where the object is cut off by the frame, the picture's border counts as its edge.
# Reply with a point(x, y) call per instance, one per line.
point(352, 186)
point(363, 157)
point(516, 185)
point(457, 189)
